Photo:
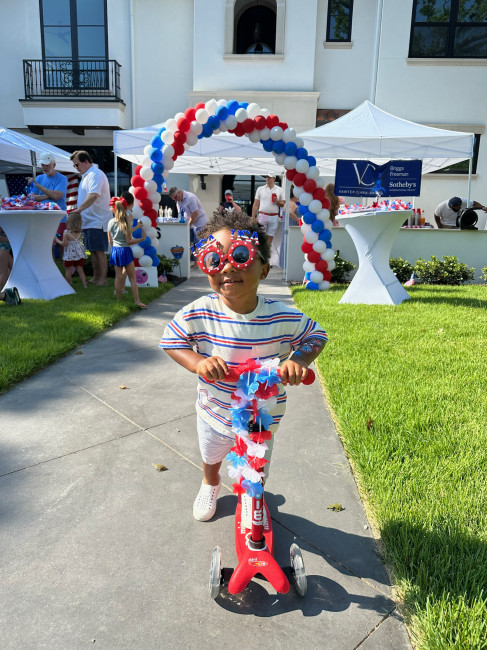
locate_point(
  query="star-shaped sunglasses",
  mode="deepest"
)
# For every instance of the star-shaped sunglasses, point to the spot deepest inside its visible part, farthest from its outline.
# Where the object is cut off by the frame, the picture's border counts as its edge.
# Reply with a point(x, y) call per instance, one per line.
point(241, 254)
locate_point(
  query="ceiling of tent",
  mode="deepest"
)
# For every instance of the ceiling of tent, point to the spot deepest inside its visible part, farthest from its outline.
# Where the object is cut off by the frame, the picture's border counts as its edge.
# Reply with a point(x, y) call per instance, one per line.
point(15, 153)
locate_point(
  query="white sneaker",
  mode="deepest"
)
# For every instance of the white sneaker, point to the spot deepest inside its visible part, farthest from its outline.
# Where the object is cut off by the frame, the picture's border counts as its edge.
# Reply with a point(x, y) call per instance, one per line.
point(204, 506)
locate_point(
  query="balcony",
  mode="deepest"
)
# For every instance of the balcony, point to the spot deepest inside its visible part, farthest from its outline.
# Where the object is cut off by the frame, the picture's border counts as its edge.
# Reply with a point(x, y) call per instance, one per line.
point(72, 94)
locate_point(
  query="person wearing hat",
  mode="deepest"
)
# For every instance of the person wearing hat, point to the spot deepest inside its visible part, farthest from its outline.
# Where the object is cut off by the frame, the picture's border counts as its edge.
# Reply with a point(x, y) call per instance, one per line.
point(50, 185)
point(229, 203)
point(447, 212)
point(268, 200)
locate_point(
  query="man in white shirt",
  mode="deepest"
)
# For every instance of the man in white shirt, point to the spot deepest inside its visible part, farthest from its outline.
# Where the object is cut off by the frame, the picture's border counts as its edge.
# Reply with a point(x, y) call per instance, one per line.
point(447, 212)
point(94, 207)
point(268, 200)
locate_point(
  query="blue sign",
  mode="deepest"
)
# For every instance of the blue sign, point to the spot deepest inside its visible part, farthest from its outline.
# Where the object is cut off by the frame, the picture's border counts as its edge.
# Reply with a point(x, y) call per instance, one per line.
point(365, 178)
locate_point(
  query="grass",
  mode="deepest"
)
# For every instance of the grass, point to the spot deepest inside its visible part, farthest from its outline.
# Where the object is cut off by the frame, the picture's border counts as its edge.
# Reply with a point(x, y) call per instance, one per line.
point(38, 332)
point(408, 390)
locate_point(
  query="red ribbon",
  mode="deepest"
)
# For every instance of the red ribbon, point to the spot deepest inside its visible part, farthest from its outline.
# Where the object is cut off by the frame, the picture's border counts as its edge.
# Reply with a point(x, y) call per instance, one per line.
point(114, 199)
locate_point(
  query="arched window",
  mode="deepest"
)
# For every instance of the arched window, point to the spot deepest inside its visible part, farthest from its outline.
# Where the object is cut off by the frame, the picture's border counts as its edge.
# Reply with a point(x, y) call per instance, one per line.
point(255, 27)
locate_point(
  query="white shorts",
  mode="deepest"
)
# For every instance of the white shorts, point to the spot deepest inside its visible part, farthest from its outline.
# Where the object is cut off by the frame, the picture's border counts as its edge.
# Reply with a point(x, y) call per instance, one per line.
point(214, 446)
point(270, 223)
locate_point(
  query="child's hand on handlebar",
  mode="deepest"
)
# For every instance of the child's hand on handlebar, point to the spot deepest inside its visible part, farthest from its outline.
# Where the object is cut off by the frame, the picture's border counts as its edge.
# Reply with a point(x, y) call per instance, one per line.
point(212, 369)
point(293, 372)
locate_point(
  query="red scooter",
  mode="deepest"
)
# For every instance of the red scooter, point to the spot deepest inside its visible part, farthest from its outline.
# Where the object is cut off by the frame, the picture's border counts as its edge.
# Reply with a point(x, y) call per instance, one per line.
point(254, 542)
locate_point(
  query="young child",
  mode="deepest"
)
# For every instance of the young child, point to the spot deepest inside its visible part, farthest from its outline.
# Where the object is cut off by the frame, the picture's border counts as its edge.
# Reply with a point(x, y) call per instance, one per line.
point(122, 257)
point(74, 253)
point(230, 326)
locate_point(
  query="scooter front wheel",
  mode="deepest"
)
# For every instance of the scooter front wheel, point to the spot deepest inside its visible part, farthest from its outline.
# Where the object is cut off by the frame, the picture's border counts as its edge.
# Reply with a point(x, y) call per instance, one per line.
point(215, 572)
point(298, 571)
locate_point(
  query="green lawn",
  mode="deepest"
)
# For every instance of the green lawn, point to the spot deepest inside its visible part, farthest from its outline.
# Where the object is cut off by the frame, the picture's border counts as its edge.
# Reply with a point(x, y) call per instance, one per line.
point(38, 332)
point(407, 387)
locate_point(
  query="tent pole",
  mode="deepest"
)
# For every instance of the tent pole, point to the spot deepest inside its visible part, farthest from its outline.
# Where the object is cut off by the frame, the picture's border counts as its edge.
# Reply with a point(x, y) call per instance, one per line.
point(33, 161)
point(469, 181)
point(115, 174)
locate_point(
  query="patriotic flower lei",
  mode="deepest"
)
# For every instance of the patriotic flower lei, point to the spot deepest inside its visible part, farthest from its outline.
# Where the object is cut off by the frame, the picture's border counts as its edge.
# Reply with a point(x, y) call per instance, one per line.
point(255, 395)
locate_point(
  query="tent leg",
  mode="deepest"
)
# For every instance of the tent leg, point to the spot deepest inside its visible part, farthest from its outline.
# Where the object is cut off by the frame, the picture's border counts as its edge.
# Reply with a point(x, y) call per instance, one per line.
point(115, 175)
point(469, 189)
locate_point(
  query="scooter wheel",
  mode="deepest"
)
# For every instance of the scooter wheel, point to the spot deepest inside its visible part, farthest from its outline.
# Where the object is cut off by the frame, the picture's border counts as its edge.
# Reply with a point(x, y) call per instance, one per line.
point(297, 568)
point(215, 572)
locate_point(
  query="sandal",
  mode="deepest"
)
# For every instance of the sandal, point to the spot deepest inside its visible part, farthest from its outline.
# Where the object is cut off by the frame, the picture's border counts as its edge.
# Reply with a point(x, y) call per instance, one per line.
point(204, 506)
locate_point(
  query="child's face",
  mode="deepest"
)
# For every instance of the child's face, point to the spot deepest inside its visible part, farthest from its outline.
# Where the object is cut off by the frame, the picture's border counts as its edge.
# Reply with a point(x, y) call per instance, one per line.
point(237, 287)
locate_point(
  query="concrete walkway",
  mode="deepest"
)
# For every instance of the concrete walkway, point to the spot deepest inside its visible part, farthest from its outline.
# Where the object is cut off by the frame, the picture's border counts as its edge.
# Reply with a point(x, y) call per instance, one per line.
point(99, 549)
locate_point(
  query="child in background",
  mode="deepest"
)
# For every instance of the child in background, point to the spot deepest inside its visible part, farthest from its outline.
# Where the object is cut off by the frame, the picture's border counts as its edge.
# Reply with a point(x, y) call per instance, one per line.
point(129, 198)
point(120, 239)
point(230, 326)
point(74, 253)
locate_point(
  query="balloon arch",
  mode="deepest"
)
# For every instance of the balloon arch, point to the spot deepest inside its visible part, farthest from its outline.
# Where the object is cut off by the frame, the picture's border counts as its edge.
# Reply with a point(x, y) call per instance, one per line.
point(259, 125)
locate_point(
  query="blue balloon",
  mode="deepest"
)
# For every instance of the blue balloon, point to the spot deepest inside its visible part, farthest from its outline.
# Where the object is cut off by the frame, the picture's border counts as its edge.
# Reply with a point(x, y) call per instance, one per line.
point(159, 187)
point(325, 235)
point(290, 148)
point(157, 168)
point(137, 233)
point(312, 286)
point(307, 276)
point(312, 161)
point(328, 244)
point(146, 243)
point(157, 178)
point(232, 106)
point(155, 260)
point(278, 146)
point(134, 223)
point(302, 209)
point(161, 131)
point(222, 113)
point(155, 154)
point(207, 130)
point(309, 217)
point(244, 104)
point(151, 251)
point(267, 144)
point(214, 122)
point(156, 142)
point(317, 226)
point(301, 153)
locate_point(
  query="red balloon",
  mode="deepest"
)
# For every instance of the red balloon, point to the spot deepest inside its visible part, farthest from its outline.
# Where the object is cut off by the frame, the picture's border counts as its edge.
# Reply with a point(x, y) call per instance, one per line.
point(306, 247)
point(152, 214)
point(137, 170)
point(314, 257)
point(260, 122)
point(327, 275)
point(290, 174)
point(183, 124)
point(326, 203)
point(248, 125)
point(319, 194)
point(239, 130)
point(271, 121)
point(140, 193)
point(178, 149)
point(309, 185)
point(137, 181)
point(299, 179)
point(199, 105)
point(283, 125)
point(145, 204)
point(321, 266)
point(190, 113)
point(179, 137)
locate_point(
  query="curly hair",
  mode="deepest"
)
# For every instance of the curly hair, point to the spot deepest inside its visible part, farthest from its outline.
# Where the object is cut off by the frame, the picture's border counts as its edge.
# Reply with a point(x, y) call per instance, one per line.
point(231, 220)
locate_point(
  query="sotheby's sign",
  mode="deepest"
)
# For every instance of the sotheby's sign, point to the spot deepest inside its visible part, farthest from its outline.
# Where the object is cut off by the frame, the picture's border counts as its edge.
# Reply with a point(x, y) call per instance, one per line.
point(365, 178)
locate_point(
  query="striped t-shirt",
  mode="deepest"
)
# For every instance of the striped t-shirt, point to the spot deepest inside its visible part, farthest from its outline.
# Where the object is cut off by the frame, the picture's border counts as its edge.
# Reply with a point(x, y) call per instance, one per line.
point(272, 330)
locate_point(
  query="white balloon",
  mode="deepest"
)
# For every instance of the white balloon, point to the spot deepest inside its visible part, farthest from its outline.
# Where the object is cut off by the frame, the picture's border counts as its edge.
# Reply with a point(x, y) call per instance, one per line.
point(171, 125)
point(314, 206)
point(137, 250)
point(265, 112)
point(137, 211)
point(216, 131)
point(211, 106)
point(152, 233)
point(132, 190)
point(302, 166)
point(253, 110)
point(319, 246)
point(325, 285)
point(308, 266)
point(313, 173)
point(328, 224)
point(153, 240)
point(265, 133)
point(165, 173)
point(223, 127)
point(202, 116)
point(168, 164)
point(305, 227)
point(196, 128)
point(146, 222)
point(254, 136)
point(331, 265)
point(222, 102)
point(178, 116)
point(311, 237)
point(241, 114)
point(168, 151)
point(305, 198)
point(321, 182)
point(280, 158)
point(323, 214)
point(299, 142)
point(328, 255)
point(167, 137)
point(289, 135)
point(191, 139)
point(150, 186)
point(146, 162)
point(146, 173)
point(155, 197)
point(290, 162)
point(316, 276)
point(147, 149)
point(145, 261)
point(231, 122)
point(276, 133)
point(298, 190)
point(186, 146)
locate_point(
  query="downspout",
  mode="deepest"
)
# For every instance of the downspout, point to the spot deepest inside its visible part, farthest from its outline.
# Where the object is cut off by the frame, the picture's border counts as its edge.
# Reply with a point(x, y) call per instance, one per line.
point(132, 64)
point(375, 64)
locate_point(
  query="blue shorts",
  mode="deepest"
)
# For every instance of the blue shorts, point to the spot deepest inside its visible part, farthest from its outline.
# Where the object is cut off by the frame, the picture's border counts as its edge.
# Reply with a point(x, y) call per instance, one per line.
point(95, 239)
point(121, 256)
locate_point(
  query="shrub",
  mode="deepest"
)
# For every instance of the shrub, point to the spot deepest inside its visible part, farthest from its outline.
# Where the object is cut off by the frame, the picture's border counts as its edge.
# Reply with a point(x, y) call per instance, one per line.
point(166, 264)
point(341, 270)
point(402, 269)
point(446, 271)
point(484, 274)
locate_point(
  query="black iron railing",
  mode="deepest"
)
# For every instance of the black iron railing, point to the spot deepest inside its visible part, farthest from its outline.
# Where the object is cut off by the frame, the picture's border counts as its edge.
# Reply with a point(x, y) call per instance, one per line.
point(69, 79)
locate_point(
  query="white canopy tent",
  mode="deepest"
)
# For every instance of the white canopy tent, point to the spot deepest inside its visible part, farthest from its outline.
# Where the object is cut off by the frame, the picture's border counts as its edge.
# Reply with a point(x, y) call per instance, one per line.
point(19, 149)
